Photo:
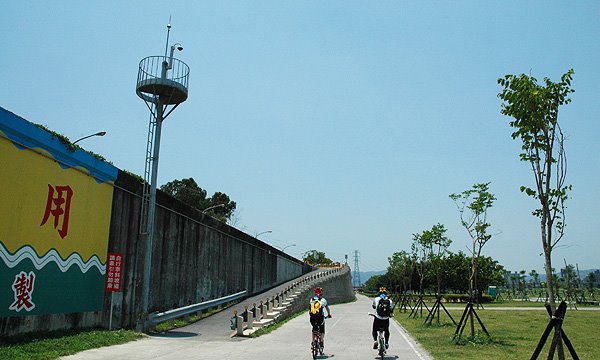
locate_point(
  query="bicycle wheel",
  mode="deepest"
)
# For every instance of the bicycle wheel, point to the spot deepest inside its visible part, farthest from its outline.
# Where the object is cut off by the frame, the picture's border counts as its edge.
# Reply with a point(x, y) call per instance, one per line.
point(381, 347)
point(315, 349)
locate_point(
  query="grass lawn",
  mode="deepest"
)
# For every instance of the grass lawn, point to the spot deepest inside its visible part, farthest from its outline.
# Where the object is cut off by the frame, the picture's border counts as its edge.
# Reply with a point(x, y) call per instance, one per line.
point(55, 344)
point(514, 334)
point(52, 345)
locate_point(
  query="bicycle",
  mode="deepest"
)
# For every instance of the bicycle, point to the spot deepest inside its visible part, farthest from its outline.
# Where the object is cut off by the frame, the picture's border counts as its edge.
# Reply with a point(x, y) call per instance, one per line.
point(316, 346)
point(380, 341)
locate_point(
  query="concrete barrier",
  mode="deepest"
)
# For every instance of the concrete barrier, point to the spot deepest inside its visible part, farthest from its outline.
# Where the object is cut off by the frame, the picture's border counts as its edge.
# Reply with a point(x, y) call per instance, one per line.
point(157, 318)
point(337, 286)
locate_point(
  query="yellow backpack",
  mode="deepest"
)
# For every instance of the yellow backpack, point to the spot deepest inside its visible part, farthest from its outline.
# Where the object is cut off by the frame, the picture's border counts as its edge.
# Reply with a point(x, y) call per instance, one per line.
point(315, 307)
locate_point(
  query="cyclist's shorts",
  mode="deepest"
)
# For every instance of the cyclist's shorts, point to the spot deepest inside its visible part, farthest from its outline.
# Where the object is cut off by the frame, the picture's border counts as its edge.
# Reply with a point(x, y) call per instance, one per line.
point(318, 324)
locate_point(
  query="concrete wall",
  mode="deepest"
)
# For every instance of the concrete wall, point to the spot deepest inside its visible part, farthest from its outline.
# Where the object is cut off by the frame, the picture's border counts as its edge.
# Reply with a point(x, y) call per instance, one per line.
point(195, 258)
point(337, 289)
point(294, 297)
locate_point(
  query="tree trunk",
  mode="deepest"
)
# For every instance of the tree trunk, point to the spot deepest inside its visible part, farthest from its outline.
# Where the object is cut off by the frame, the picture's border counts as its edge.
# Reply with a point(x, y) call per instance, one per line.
point(472, 275)
point(548, 268)
point(550, 285)
point(472, 323)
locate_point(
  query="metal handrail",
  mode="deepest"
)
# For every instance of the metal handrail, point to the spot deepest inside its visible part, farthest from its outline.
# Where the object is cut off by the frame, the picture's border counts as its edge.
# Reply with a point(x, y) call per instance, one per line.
point(151, 68)
point(157, 318)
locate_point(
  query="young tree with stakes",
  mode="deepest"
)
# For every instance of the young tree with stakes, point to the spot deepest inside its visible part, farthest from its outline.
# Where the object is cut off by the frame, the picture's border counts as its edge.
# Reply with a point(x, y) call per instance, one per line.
point(439, 243)
point(421, 251)
point(473, 205)
point(534, 108)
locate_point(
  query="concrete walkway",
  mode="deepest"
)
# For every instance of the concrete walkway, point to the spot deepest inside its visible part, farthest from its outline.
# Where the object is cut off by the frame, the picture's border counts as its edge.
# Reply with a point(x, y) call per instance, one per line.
point(348, 336)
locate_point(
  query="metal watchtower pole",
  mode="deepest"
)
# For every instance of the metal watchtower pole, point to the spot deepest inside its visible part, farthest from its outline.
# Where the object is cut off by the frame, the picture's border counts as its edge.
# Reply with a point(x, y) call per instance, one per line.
point(162, 82)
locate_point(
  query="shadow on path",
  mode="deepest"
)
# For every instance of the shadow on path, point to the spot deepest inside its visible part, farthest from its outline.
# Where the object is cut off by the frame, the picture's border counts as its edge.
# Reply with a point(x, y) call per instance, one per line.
point(175, 334)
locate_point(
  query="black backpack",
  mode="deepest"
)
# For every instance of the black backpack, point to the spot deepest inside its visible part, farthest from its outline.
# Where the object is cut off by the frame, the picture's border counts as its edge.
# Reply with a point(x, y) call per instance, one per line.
point(384, 308)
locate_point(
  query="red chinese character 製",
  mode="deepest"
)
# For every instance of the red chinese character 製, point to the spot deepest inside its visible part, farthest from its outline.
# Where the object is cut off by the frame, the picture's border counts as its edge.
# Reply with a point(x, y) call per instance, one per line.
point(23, 289)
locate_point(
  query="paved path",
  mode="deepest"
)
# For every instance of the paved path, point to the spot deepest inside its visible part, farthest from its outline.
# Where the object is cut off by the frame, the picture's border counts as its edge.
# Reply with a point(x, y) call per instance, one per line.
point(348, 336)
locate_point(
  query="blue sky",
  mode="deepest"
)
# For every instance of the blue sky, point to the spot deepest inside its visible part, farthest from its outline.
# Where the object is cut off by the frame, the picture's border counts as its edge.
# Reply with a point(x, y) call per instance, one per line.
point(338, 125)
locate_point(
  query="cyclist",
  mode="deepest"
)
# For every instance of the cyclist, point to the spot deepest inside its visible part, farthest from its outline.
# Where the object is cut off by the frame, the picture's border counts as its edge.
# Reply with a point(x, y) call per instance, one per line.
point(317, 315)
point(381, 320)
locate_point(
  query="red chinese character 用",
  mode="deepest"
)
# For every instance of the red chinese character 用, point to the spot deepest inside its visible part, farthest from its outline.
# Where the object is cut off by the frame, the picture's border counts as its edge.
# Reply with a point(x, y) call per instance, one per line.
point(23, 289)
point(58, 205)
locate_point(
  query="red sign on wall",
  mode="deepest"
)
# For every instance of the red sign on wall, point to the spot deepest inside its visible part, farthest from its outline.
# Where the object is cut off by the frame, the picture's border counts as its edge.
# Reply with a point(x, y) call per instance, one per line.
point(114, 267)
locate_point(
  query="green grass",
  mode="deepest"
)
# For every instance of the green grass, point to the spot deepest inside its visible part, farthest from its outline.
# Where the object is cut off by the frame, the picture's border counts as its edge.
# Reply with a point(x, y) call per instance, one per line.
point(52, 345)
point(514, 334)
point(506, 303)
point(509, 303)
point(174, 324)
point(513, 303)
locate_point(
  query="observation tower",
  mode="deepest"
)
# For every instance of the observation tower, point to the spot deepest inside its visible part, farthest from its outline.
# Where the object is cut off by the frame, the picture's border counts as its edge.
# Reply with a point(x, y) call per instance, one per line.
point(162, 83)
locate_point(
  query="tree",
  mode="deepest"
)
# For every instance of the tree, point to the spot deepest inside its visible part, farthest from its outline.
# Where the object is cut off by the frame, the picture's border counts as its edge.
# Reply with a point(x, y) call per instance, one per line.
point(473, 205)
point(456, 268)
point(440, 246)
point(514, 281)
point(187, 191)
point(489, 272)
point(421, 249)
point(221, 208)
point(400, 269)
point(475, 202)
point(534, 108)
point(592, 280)
point(218, 205)
point(375, 282)
point(314, 257)
point(535, 278)
point(569, 277)
point(522, 276)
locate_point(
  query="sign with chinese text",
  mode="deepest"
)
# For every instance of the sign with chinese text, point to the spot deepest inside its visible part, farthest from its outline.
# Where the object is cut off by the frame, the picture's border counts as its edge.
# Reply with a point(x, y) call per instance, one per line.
point(114, 270)
point(54, 222)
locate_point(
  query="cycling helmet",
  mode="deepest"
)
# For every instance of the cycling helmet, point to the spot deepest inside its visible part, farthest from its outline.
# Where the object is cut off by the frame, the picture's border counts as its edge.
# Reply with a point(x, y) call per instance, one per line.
point(382, 290)
point(318, 291)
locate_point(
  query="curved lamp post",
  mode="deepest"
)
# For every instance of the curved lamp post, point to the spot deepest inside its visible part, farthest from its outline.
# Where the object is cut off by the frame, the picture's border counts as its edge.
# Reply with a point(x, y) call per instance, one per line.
point(212, 207)
point(99, 133)
point(287, 246)
point(264, 232)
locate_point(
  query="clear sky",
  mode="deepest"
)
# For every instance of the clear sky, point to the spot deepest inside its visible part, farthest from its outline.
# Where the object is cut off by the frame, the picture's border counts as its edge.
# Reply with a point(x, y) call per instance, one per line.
point(338, 125)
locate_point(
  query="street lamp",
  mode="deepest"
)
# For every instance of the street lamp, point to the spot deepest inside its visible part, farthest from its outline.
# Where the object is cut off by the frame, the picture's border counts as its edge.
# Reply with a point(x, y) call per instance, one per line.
point(264, 232)
point(212, 207)
point(100, 133)
point(285, 247)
